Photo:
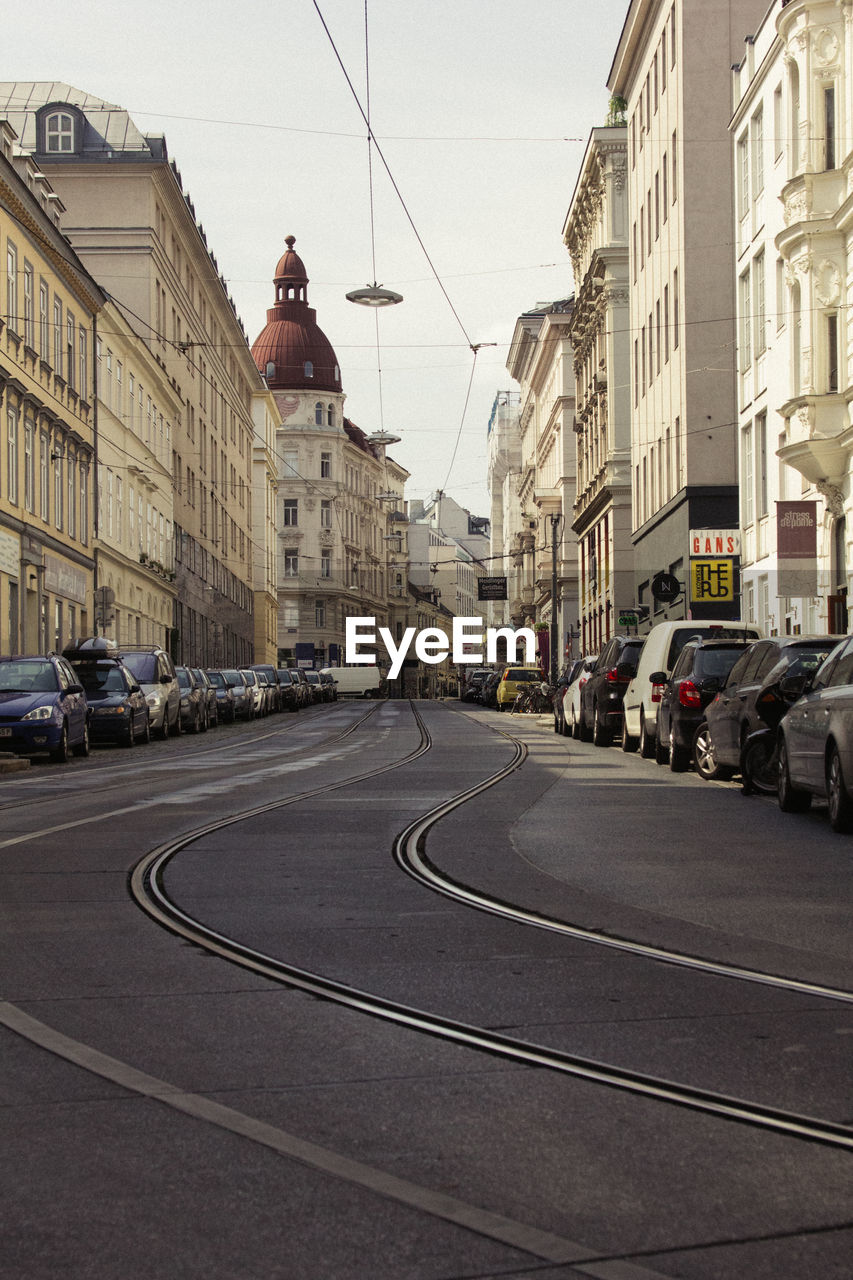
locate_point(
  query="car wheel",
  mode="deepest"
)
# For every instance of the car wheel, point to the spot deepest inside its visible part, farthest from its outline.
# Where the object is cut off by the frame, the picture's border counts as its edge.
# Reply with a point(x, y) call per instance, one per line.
point(575, 728)
point(790, 799)
point(705, 758)
point(59, 755)
point(647, 742)
point(679, 757)
point(130, 736)
point(629, 742)
point(601, 735)
point(82, 748)
point(838, 799)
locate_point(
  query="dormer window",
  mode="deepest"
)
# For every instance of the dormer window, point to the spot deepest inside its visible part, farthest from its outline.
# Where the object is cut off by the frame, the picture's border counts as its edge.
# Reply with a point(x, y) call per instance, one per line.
point(308, 369)
point(59, 132)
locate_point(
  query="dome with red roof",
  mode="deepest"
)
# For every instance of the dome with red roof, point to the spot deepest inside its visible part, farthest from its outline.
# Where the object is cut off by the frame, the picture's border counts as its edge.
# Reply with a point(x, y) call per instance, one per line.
point(292, 352)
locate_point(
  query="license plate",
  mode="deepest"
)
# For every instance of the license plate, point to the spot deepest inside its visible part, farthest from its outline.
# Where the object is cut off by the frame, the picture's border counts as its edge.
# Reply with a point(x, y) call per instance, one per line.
point(5, 733)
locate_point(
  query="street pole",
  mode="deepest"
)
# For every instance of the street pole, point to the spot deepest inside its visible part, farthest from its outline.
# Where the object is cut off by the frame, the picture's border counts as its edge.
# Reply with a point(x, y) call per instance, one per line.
point(555, 521)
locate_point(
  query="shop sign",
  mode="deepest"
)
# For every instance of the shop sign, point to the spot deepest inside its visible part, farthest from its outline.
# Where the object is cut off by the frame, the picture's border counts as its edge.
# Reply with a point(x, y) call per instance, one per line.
point(712, 581)
point(10, 555)
point(64, 579)
point(715, 542)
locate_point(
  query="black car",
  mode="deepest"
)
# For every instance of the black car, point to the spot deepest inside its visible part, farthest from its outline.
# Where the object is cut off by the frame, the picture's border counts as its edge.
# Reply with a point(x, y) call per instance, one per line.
point(488, 693)
point(193, 701)
point(732, 715)
point(602, 695)
point(211, 701)
point(697, 677)
point(224, 696)
point(118, 709)
point(288, 690)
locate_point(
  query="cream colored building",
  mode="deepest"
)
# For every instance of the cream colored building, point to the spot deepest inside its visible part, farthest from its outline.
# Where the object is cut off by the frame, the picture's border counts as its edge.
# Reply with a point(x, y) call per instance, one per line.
point(505, 522)
point(135, 542)
point(541, 360)
point(596, 236)
point(331, 517)
point(792, 148)
point(135, 228)
point(48, 308)
point(672, 68)
point(264, 494)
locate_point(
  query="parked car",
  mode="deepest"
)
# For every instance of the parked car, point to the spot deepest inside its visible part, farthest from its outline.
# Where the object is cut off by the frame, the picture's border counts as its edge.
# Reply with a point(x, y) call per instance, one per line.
point(330, 687)
point(268, 694)
point(572, 696)
point(298, 676)
point(224, 696)
point(42, 708)
point(661, 649)
point(472, 683)
point(244, 700)
point(511, 683)
point(155, 674)
point(564, 680)
point(255, 690)
point(118, 709)
point(193, 701)
point(697, 677)
point(211, 703)
point(273, 682)
point(602, 695)
point(288, 690)
point(488, 694)
point(816, 740)
point(313, 678)
point(732, 715)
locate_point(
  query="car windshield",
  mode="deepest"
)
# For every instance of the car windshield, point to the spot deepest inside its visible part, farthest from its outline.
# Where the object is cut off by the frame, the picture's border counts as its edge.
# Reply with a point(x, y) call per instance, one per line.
point(806, 660)
point(234, 678)
point(522, 673)
point(217, 679)
point(184, 678)
point(249, 677)
point(26, 677)
point(98, 682)
point(143, 666)
point(680, 638)
point(716, 662)
point(312, 677)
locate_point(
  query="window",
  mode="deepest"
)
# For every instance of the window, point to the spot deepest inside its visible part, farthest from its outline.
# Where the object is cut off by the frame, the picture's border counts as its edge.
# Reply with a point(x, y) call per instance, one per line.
point(290, 462)
point(290, 512)
point(11, 286)
point(757, 158)
point(743, 176)
point(657, 205)
point(829, 127)
point(666, 323)
point(745, 324)
point(330, 415)
point(30, 465)
point(44, 476)
point(29, 306)
point(59, 132)
point(71, 495)
point(326, 563)
point(658, 334)
point(832, 352)
point(58, 487)
point(762, 496)
point(83, 364)
point(663, 61)
point(759, 305)
point(12, 454)
point(674, 169)
point(325, 466)
point(780, 294)
point(778, 127)
point(69, 348)
point(291, 562)
point(44, 320)
point(319, 613)
point(325, 514)
point(84, 504)
point(675, 309)
point(309, 369)
point(747, 476)
point(664, 176)
point(318, 412)
point(57, 337)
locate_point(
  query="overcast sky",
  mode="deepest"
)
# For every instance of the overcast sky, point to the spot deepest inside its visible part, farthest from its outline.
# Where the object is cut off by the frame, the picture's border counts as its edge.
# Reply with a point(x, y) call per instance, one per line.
point(482, 109)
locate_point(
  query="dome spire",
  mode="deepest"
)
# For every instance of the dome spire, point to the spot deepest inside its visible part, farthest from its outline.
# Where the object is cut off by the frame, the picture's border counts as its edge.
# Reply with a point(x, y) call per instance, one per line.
point(292, 352)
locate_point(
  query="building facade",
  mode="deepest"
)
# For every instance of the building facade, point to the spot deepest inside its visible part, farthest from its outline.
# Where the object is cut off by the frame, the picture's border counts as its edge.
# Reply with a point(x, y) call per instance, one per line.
point(596, 236)
point(672, 71)
point(136, 230)
point(47, 416)
point(793, 152)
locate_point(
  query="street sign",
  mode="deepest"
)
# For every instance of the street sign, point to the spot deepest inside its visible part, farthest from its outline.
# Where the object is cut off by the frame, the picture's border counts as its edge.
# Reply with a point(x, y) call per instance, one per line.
point(491, 589)
point(628, 620)
point(666, 587)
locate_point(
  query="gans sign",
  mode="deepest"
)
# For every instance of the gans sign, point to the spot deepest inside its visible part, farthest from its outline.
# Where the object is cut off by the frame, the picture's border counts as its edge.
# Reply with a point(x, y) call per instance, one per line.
point(714, 542)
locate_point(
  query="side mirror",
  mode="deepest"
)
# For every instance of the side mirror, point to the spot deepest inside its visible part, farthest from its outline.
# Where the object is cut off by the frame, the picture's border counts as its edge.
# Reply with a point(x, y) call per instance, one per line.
point(134, 688)
point(658, 677)
point(74, 688)
point(793, 687)
point(167, 679)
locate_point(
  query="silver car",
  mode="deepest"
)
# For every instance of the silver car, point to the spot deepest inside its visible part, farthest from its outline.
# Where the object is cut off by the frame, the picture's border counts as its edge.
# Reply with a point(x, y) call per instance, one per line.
point(816, 741)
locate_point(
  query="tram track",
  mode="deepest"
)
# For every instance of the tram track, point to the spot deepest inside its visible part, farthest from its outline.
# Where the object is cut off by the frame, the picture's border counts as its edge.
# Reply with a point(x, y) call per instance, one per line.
point(147, 887)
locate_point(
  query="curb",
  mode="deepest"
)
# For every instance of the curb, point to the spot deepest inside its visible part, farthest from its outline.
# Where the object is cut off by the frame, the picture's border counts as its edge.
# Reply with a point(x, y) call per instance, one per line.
point(12, 764)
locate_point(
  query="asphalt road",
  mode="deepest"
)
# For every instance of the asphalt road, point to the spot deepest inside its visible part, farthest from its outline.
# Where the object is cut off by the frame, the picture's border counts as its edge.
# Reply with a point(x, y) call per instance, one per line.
point(166, 1112)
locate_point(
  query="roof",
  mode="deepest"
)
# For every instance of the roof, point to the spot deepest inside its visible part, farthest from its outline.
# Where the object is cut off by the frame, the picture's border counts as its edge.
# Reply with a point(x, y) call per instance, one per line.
point(108, 128)
point(291, 351)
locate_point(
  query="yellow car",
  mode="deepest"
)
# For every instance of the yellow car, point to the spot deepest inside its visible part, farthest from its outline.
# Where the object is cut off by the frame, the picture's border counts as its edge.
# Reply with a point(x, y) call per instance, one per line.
point(513, 680)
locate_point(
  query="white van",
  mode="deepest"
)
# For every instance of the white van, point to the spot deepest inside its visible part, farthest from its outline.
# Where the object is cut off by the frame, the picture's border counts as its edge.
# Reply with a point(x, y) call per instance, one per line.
point(660, 653)
point(356, 682)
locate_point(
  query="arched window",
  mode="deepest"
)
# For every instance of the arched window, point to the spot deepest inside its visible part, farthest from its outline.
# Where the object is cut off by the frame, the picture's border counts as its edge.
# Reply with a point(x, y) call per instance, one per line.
point(59, 132)
point(318, 411)
point(330, 415)
point(337, 374)
point(270, 369)
point(309, 369)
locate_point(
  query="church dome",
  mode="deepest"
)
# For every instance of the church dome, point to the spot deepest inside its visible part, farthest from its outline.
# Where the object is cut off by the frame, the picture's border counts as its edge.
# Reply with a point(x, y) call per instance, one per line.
point(292, 352)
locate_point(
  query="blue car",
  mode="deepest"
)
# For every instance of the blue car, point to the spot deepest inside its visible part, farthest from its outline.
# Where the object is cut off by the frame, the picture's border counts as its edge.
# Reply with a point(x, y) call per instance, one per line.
point(118, 709)
point(43, 708)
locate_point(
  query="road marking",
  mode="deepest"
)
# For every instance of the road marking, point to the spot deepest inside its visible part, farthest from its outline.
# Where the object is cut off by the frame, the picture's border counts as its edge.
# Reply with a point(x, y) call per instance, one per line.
point(517, 1235)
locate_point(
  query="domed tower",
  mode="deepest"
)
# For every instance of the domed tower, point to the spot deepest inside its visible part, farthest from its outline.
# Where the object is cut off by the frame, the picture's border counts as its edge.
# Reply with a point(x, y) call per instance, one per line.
point(292, 352)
